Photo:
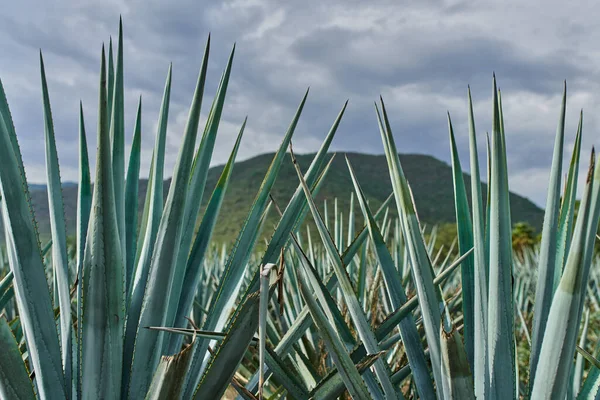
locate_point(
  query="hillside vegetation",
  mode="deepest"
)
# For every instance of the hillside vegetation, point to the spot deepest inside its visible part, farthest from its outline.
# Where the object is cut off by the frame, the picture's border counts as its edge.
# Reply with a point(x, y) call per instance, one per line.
point(430, 179)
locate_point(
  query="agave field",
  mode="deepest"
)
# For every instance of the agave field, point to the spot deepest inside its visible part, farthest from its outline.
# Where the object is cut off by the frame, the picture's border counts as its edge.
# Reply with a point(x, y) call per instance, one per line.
point(151, 308)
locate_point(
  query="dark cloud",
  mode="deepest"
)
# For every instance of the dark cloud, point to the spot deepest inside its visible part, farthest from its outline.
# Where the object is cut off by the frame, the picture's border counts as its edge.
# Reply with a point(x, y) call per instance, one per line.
point(420, 56)
point(446, 67)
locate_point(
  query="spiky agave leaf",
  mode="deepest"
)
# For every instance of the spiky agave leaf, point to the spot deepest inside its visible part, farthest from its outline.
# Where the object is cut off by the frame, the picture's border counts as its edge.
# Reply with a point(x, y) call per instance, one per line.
point(286, 376)
point(84, 204)
point(223, 364)
point(567, 209)
point(547, 256)
point(465, 242)
point(131, 198)
point(360, 239)
point(148, 344)
point(429, 296)
point(296, 210)
point(237, 260)
point(364, 329)
point(408, 330)
point(303, 316)
point(500, 302)
point(392, 320)
point(348, 371)
point(332, 386)
point(262, 324)
point(31, 288)
point(153, 208)
point(14, 379)
point(323, 294)
point(592, 383)
point(591, 233)
point(591, 386)
point(116, 119)
point(58, 229)
point(197, 183)
point(103, 316)
point(480, 267)
point(6, 282)
point(203, 238)
point(190, 332)
point(578, 371)
point(111, 79)
point(558, 345)
point(488, 200)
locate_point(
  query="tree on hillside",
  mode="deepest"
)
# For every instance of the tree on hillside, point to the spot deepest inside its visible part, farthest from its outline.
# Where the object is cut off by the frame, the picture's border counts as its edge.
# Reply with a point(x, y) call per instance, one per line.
point(523, 236)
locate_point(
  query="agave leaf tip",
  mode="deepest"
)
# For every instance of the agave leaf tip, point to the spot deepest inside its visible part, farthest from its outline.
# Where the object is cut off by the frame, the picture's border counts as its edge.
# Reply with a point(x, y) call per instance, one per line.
point(591, 169)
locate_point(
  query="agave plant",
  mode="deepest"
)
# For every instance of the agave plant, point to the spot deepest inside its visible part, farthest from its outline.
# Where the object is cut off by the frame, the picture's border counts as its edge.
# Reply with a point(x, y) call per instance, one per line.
point(151, 308)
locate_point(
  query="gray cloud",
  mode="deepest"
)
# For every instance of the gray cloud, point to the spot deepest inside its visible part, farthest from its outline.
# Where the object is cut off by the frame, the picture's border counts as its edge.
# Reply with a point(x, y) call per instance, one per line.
point(419, 56)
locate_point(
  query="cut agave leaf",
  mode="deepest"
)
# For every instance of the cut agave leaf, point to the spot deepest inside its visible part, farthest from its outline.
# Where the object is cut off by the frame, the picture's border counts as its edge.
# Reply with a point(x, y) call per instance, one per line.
point(458, 380)
point(169, 378)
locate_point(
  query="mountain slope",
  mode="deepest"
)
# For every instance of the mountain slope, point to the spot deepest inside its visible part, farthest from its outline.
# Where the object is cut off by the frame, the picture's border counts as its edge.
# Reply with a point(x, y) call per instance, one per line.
point(430, 180)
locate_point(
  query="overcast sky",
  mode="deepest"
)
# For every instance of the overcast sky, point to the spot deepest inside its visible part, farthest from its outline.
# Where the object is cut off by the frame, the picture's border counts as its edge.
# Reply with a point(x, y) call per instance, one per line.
point(419, 55)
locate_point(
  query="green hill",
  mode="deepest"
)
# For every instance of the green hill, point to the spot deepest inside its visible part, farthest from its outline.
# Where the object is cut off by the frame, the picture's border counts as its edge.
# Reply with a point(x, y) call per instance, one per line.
point(430, 179)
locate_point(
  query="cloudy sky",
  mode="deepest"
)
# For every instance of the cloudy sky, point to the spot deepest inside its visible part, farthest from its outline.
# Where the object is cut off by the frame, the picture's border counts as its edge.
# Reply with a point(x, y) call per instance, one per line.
point(419, 55)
